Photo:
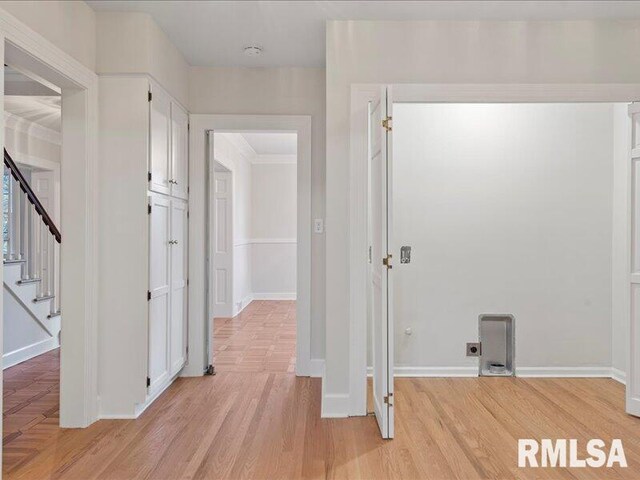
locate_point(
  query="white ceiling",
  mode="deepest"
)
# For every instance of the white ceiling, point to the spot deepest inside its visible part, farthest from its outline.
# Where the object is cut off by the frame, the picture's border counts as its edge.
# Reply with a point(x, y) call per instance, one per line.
point(292, 33)
point(42, 110)
point(272, 143)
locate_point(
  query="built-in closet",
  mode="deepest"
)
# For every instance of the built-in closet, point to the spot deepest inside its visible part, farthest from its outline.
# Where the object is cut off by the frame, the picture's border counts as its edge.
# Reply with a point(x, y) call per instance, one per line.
point(144, 243)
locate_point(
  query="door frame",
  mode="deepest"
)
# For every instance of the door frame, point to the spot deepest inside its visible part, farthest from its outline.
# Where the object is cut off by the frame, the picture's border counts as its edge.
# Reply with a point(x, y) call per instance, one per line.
point(361, 95)
point(199, 168)
point(21, 46)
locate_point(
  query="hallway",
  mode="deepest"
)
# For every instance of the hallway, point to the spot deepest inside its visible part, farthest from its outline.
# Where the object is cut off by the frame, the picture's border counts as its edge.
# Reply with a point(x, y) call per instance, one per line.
point(262, 338)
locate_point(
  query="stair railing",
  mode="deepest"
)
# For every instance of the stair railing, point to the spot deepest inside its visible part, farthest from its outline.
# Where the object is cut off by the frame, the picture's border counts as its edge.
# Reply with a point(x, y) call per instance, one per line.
point(31, 238)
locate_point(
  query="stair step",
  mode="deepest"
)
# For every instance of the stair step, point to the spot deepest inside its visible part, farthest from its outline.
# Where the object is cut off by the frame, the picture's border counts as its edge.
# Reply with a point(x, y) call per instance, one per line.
point(12, 261)
point(54, 314)
point(26, 281)
point(43, 298)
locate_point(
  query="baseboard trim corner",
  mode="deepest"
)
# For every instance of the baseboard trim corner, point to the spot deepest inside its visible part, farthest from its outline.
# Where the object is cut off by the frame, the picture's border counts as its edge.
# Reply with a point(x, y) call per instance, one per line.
point(25, 353)
point(619, 376)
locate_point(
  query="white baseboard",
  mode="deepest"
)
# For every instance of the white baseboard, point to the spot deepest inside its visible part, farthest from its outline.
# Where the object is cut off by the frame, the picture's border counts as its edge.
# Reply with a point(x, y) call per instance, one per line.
point(245, 301)
point(564, 372)
point(526, 372)
point(316, 368)
point(431, 371)
point(619, 376)
point(334, 405)
point(25, 353)
point(274, 296)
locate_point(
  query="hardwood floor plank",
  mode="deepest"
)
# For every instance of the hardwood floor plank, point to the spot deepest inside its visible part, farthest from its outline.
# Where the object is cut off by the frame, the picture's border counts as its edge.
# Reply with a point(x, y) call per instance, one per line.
point(254, 421)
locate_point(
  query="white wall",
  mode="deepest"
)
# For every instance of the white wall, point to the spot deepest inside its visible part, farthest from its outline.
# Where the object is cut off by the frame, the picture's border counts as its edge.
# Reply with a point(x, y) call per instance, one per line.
point(508, 209)
point(230, 157)
point(274, 230)
point(412, 52)
point(70, 26)
point(620, 263)
point(277, 91)
point(131, 42)
point(264, 224)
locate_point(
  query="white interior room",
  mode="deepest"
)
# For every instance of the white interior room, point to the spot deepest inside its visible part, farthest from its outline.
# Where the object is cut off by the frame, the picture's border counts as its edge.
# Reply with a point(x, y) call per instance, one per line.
point(253, 283)
point(510, 209)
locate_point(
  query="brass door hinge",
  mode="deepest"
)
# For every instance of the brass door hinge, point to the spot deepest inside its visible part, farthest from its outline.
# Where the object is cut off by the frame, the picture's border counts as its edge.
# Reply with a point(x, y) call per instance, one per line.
point(388, 399)
point(387, 124)
point(386, 261)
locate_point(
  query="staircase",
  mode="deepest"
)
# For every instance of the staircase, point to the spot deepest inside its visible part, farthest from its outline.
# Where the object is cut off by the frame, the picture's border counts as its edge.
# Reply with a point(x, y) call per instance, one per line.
point(31, 246)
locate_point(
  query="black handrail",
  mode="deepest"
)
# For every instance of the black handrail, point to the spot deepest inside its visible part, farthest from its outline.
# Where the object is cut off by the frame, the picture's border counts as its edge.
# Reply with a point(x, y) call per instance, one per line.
point(31, 196)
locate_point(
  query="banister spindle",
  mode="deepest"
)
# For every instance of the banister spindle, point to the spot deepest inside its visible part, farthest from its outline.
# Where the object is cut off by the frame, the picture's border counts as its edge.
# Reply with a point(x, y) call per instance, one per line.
point(16, 211)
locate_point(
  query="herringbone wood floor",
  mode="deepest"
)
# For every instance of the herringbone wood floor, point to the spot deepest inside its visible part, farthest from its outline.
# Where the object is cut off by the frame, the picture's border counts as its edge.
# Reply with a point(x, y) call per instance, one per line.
point(31, 405)
point(262, 338)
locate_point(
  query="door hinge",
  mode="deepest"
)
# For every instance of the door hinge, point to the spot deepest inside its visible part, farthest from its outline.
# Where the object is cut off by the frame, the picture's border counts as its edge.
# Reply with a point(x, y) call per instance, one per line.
point(149, 176)
point(388, 399)
point(148, 295)
point(387, 124)
point(149, 382)
point(386, 261)
point(149, 209)
point(187, 213)
point(187, 282)
point(150, 96)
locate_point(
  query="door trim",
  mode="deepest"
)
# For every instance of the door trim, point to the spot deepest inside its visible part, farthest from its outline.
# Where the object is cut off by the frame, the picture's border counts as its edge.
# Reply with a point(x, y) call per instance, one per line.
point(26, 48)
point(198, 168)
point(361, 95)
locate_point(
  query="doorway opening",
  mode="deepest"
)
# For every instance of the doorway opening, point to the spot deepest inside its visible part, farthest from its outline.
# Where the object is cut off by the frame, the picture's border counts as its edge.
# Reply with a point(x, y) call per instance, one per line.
point(253, 251)
point(31, 257)
point(506, 210)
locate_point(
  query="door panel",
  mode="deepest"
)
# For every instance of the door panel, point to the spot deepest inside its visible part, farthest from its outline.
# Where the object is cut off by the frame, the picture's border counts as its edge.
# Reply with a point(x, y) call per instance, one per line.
point(160, 137)
point(159, 288)
point(179, 228)
point(179, 152)
point(633, 374)
point(222, 245)
point(382, 328)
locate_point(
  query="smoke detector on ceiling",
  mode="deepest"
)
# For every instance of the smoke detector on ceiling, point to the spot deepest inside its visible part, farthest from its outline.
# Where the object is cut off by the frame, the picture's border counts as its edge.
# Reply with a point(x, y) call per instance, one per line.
point(252, 51)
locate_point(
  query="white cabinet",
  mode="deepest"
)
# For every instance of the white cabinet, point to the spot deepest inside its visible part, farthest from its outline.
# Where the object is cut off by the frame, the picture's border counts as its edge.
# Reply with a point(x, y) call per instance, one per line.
point(169, 145)
point(159, 141)
point(179, 152)
point(143, 282)
point(168, 228)
point(159, 290)
point(178, 321)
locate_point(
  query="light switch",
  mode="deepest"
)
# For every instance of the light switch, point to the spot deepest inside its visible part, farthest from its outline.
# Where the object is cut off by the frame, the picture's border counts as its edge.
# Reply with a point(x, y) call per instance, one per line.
point(318, 225)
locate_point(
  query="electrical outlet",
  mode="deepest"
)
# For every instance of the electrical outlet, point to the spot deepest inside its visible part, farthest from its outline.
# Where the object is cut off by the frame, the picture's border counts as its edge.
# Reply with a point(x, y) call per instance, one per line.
point(473, 349)
point(318, 225)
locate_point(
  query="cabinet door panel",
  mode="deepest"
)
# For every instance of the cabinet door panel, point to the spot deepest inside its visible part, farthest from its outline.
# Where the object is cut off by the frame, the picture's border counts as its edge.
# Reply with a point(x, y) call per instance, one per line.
point(160, 137)
point(179, 228)
point(179, 152)
point(159, 288)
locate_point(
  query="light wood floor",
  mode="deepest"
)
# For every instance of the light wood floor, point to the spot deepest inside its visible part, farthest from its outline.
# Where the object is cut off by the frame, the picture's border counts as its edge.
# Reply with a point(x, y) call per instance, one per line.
point(267, 425)
point(31, 403)
point(262, 338)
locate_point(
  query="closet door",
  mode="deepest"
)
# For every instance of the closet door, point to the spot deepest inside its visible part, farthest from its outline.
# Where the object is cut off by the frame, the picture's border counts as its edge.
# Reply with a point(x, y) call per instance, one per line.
point(179, 152)
point(159, 291)
point(159, 142)
point(177, 335)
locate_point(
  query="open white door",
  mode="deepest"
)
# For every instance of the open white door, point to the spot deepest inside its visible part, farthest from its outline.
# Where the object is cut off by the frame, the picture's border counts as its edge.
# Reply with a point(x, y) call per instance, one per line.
point(222, 237)
point(633, 374)
point(380, 196)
